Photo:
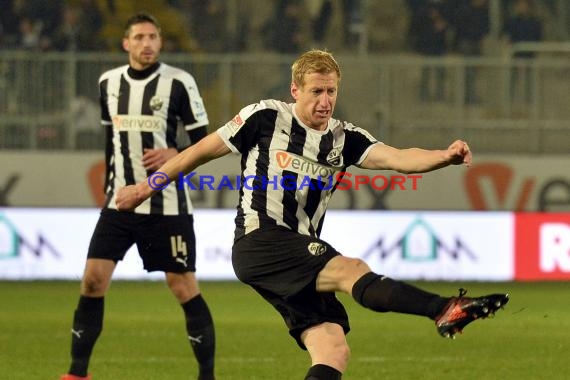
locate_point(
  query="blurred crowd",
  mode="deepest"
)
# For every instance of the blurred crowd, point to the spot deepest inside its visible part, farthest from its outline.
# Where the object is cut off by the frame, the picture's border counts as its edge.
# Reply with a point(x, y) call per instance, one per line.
point(57, 25)
point(427, 27)
point(438, 27)
point(441, 27)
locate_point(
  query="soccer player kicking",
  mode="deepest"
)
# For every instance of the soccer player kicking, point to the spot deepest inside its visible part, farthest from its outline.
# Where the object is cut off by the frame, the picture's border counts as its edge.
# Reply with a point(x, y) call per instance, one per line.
point(277, 249)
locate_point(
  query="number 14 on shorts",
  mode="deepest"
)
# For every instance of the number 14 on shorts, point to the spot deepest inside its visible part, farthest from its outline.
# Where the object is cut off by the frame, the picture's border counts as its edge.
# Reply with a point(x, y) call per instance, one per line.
point(178, 246)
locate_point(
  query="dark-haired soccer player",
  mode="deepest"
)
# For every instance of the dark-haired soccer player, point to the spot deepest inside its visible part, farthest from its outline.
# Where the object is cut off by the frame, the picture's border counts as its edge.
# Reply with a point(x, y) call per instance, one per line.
point(141, 106)
point(277, 249)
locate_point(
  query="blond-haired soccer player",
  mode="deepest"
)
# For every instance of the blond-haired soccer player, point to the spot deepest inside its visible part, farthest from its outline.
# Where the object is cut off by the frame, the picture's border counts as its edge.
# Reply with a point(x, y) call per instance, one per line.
point(277, 249)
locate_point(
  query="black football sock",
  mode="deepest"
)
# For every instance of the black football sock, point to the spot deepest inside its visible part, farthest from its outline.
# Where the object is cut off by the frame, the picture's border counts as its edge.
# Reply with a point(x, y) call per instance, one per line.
point(87, 325)
point(383, 294)
point(200, 328)
point(323, 372)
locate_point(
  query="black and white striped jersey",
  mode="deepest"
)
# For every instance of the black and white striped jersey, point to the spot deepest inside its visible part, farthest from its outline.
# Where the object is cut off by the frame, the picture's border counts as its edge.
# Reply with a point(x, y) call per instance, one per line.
point(289, 171)
point(145, 113)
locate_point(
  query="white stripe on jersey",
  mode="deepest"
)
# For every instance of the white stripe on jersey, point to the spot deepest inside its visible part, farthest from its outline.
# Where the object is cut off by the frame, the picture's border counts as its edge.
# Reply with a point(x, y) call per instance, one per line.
point(116, 179)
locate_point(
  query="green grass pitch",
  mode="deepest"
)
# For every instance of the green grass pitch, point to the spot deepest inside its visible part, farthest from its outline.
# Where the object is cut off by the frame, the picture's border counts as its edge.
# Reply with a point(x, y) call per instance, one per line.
point(144, 336)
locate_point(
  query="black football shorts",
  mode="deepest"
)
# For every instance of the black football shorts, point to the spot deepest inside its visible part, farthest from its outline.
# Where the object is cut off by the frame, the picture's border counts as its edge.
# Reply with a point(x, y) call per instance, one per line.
point(282, 266)
point(165, 242)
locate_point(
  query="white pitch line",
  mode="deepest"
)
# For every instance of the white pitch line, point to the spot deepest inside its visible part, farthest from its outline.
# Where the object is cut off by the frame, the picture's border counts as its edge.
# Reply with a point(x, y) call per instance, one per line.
point(154, 359)
point(378, 359)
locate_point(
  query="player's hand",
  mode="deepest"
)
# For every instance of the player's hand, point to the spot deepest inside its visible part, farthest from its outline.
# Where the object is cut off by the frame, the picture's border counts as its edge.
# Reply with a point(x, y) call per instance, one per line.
point(153, 159)
point(128, 198)
point(459, 153)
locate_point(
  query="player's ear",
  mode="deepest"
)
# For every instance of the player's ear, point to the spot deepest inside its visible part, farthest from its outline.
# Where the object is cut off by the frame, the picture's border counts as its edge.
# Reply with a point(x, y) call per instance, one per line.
point(294, 90)
point(126, 44)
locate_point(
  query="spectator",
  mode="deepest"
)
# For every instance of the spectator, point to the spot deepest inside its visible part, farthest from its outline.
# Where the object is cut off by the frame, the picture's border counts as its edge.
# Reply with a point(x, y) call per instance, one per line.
point(322, 13)
point(8, 26)
point(415, 7)
point(29, 37)
point(321, 20)
point(353, 22)
point(46, 14)
point(208, 24)
point(79, 28)
point(66, 36)
point(284, 32)
point(91, 20)
point(428, 33)
point(523, 26)
point(472, 24)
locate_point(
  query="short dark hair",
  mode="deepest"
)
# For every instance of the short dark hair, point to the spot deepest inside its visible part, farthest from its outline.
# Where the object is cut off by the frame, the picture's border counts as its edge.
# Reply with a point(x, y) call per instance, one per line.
point(140, 18)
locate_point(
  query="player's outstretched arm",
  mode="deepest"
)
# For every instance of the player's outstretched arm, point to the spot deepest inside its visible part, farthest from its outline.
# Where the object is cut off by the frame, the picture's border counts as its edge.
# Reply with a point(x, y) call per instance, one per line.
point(207, 149)
point(416, 160)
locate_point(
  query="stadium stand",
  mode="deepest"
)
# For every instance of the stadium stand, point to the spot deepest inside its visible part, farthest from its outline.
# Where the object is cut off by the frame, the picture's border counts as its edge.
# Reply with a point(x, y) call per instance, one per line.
point(47, 100)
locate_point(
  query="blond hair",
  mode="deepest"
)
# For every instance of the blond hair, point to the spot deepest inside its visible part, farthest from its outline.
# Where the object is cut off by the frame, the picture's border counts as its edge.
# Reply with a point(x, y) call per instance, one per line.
point(313, 61)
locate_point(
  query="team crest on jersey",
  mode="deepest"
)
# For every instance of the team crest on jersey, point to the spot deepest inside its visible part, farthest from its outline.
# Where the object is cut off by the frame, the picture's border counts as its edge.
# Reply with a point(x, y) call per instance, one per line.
point(316, 249)
point(333, 157)
point(156, 103)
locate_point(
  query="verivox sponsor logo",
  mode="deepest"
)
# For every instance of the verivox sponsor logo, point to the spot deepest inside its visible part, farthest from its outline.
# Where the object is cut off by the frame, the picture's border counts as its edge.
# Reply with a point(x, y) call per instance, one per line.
point(138, 123)
point(296, 164)
point(503, 192)
point(542, 246)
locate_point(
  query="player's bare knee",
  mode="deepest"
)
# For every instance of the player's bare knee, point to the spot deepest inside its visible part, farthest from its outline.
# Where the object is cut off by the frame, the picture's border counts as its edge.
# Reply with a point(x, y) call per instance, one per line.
point(93, 285)
point(177, 288)
point(182, 288)
point(97, 277)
